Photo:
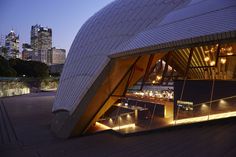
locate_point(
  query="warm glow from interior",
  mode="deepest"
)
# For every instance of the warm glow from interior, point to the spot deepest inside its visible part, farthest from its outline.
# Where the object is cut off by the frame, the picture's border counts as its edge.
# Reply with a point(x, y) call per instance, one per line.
point(212, 63)
point(158, 77)
point(102, 126)
point(230, 53)
point(229, 48)
point(223, 60)
point(110, 120)
point(124, 126)
point(206, 59)
point(128, 116)
point(204, 118)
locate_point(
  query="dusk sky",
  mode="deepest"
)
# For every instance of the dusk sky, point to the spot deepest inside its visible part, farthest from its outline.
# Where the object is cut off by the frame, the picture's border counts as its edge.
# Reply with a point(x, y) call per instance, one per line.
point(65, 17)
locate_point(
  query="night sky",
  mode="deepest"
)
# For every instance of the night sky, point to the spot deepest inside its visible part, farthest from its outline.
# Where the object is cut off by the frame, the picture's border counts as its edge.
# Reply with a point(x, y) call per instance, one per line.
point(65, 17)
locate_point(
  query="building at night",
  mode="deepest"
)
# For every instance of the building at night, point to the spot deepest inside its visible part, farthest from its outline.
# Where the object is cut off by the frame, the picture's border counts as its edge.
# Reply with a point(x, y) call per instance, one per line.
point(140, 65)
point(12, 45)
point(41, 42)
point(56, 56)
point(2, 41)
point(27, 52)
point(34, 37)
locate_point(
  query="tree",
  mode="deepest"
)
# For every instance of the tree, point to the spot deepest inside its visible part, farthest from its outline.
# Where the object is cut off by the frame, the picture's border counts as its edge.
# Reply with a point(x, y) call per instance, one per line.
point(29, 68)
point(5, 69)
point(15, 53)
point(4, 51)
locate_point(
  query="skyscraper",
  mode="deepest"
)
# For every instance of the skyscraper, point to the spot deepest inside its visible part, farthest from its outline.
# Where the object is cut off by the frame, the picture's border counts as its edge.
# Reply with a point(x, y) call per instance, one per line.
point(12, 45)
point(2, 41)
point(2, 44)
point(41, 42)
point(34, 37)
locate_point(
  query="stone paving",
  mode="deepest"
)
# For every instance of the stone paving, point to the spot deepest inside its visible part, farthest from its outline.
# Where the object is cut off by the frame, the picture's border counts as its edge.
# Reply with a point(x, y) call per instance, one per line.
point(25, 132)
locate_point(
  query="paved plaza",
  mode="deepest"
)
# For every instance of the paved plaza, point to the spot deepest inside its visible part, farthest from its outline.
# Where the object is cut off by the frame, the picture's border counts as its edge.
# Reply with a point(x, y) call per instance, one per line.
point(25, 132)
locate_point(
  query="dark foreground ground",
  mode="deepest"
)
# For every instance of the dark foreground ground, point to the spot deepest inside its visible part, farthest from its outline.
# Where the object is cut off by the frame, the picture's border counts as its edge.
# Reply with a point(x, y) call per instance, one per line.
point(25, 132)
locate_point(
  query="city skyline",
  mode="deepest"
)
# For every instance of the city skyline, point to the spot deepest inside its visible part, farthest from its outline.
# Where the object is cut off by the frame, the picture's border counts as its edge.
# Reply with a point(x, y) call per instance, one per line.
point(61, 17)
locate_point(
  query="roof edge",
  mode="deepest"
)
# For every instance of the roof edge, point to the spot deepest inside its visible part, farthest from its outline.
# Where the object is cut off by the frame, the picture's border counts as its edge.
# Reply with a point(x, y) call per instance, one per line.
point(188, 42)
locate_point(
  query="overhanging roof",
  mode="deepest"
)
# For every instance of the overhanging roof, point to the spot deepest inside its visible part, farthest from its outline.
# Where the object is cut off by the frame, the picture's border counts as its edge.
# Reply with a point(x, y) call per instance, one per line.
point(127, 27)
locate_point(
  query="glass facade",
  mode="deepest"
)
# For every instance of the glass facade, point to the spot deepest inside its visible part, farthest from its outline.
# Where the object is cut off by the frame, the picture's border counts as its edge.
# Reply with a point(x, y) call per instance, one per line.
point(185, 85)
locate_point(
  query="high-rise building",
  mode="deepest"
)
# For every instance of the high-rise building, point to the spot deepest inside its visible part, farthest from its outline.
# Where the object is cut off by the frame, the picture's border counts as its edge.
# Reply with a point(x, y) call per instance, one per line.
point(12, 45)
point(56, 56)
point(44, 43)
point(2, 41)
point(41, 42)
point(27, 52)
point(2, 44)
point(34, 37)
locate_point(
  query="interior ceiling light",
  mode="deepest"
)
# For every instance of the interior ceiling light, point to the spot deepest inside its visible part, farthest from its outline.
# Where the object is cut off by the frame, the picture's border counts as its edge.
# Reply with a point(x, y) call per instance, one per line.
point(212, 63)
point(223, 60)
point(229, 53)
point(212, 50)
point(229, 48)
point(206, 59)
point(158, 77)
point(222, 49)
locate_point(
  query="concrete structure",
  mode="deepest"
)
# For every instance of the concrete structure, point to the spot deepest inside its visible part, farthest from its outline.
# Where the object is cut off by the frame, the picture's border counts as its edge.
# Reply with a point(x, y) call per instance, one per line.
point(12, 45)
point(56, 56)
point(119, 45)
point(41, 42)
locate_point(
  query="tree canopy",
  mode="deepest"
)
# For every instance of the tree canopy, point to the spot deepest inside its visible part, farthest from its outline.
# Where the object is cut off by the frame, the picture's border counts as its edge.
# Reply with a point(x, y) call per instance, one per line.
point(19, 68)
point(5, 69)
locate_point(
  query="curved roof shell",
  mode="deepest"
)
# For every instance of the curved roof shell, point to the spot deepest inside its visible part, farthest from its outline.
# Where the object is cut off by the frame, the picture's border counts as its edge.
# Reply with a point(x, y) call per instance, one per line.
point(129, 27)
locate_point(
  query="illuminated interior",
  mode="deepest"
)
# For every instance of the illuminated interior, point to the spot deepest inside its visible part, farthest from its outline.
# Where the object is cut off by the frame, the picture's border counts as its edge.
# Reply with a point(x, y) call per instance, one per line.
point(174, 87)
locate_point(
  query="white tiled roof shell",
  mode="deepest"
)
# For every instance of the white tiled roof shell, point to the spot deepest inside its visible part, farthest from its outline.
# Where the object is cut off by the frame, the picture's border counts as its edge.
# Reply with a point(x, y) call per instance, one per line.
point(200, 19)
point(125, 25)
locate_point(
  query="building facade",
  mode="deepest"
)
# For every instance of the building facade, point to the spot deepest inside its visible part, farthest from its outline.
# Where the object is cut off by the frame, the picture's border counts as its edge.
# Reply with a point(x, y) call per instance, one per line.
point(2, 41)
point(27, 52)
point(12, 45)
point(41, 42)
point(2, 44)
point(139, 65)
point(56, 56)
point(34, 37)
